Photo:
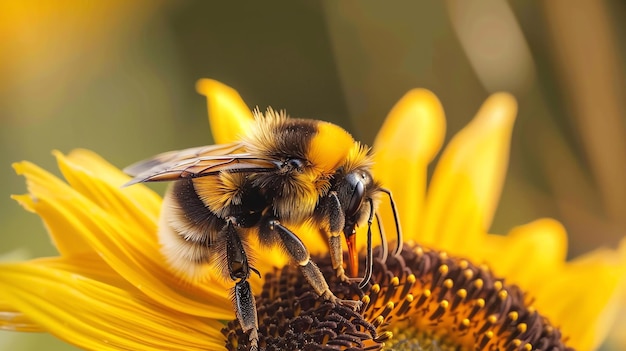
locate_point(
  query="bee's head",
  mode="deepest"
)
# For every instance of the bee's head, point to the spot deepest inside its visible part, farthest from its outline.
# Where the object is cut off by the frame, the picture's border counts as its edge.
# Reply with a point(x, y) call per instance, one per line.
point(358, 195)
point(353, 191)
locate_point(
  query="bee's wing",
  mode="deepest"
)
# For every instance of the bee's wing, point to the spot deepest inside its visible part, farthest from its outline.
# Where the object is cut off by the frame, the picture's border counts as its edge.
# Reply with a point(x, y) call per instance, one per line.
point(196, 162)
point(182, 155)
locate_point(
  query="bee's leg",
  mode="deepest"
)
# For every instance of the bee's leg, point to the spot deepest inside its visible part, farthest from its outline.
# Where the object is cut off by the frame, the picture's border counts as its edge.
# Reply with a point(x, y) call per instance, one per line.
point(336, 256)
point(299, 253)
point(332, 214)
point(239, 270)
point(246, 312)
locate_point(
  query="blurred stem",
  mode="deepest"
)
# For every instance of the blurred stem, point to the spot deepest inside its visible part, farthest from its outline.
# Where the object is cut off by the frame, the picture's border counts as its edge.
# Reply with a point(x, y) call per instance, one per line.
point(585, 53)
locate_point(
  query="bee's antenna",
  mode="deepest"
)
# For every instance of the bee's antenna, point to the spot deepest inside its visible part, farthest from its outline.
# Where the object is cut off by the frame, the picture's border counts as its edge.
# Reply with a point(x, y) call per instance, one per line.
point(368, 258)
point(384, 250)
point(395, 218)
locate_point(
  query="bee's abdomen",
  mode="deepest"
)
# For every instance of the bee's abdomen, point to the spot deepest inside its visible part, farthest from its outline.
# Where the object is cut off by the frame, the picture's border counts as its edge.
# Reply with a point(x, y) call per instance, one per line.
point(188, 230)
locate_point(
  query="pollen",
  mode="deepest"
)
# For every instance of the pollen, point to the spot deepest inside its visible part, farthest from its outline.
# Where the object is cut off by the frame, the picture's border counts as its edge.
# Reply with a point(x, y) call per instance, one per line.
point(419, 300)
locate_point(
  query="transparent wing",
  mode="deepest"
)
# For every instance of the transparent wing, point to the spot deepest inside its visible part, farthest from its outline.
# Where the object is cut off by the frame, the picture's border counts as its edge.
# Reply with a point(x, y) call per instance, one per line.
point(197, 162)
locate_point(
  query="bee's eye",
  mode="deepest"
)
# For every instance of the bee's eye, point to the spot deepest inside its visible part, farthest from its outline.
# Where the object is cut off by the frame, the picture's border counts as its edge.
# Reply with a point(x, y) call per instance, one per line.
point(294, 163)
point(357, 191)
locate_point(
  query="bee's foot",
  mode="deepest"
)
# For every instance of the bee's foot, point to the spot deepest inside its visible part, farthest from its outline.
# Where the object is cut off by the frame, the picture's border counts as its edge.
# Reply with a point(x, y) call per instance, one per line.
point(353, 304)
point(254, 340)
point(355, 280)
point(344, 278)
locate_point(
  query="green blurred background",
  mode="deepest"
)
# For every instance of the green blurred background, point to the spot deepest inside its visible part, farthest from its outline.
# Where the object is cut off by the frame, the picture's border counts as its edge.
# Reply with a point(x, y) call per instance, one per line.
point(118, 77)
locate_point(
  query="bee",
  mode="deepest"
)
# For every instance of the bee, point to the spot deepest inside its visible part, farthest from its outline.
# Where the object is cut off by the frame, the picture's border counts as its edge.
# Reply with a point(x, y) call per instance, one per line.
point(284, 172)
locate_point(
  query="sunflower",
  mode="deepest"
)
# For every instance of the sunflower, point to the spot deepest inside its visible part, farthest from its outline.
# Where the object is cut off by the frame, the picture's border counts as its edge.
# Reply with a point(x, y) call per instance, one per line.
point(452, 286)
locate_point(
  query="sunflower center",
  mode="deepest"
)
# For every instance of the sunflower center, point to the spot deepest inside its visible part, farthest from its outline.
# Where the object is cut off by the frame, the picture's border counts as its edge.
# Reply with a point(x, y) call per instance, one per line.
point(435, 302)
point(421, 299)
point(293, 317)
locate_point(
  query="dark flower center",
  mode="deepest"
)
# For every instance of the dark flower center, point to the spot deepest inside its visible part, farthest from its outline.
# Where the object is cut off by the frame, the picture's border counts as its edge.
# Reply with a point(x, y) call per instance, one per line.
point(293, 317)
point(420, 300)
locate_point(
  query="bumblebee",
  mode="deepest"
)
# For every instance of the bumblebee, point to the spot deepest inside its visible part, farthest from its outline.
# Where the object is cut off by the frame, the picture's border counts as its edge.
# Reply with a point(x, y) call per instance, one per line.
point(284, 172)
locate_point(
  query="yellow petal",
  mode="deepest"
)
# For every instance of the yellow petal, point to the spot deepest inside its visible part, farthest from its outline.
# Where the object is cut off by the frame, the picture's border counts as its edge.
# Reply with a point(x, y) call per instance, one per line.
point(39, 182)
point(86, 161)
point(617, 334)
point(14, 320)
point(467, 182)
point(408, 140)
point(101, 183)
point(129, 248)
point(229, 116)
point(584, 298)
point(528, 256)
point(81, 307)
